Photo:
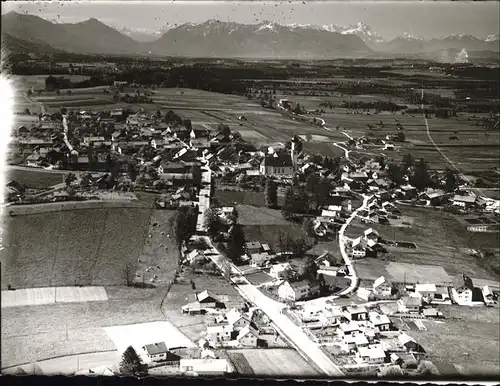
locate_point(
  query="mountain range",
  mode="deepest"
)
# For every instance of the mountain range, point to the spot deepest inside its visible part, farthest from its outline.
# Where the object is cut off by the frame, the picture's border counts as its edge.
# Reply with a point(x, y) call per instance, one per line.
point(225, 39)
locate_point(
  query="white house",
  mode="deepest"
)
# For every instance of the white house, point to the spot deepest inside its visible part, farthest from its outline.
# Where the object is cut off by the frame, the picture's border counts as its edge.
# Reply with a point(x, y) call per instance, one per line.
point(280, 271)
point(382, 287)
point(156, 352)
point(426, 291)
point(373, 354)
point(442, 296)
point(461, 292)
point(356, 313)
point(382, 322)
point(220, 332)
point(237, 319)
point(275, 164)
point(488, 296)
point(294, 291)
point(247, 337)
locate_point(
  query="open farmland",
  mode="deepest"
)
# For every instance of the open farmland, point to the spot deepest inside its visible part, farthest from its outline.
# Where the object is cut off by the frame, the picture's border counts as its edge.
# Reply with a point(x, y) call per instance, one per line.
point(74, 247)
point(441, 240)
point(60, 329)
point(36, 179)
point(468, 339)
point(277, 363)
point(251, 215)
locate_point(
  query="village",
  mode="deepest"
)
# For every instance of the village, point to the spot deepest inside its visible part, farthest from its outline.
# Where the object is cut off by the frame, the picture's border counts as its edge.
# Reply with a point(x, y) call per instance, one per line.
point(353, 321)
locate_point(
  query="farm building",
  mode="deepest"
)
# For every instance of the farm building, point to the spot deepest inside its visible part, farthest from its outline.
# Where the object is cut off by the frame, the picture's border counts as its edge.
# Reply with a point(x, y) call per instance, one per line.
point(205, 367)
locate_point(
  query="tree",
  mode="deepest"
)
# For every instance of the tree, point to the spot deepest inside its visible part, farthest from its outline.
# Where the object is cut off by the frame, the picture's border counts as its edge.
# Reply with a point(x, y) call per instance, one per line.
point(187, 124)
point(310, 269)
point(69, 92)
point(70, 177)
point(451, 183)
point(321, 192)
point(58, 92)
point(420, 178)
point(27, 112)
point(131, 363)
point(401, 136)
point(395, 174)
point(236, 243)
point(297, 109)
point(287, 207)
point(224, 129)
point(213, 222)
point(407, 163)
point(309, 136)
point(312, 182)
point(128, 274)
point(271, 194)
point(308, 227)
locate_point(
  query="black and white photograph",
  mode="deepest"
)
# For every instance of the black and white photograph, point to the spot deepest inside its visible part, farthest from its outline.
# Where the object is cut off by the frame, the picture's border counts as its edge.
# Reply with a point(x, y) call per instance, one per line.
point(250, 189)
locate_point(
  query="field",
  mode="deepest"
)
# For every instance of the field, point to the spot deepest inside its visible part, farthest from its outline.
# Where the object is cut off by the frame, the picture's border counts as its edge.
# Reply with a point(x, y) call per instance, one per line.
point(441, 239)
point(263, 126)
point(35, 179)
point(277, 363)
point(468, 338)
point(38, 296)
point(60, 329)
point(251, 215)
point(74, 247)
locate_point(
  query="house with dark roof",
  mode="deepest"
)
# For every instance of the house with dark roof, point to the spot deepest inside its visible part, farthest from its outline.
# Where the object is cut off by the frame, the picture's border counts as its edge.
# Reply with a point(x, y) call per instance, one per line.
point(253, 247)
point(157, 352)
point(274, 164)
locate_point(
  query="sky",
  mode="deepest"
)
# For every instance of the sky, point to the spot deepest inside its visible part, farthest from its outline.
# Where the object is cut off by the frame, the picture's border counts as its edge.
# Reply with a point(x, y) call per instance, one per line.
point(388, 18)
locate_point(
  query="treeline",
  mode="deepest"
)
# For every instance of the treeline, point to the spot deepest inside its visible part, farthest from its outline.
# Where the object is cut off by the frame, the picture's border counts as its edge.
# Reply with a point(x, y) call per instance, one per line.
point(378, 105)
point(60, 82)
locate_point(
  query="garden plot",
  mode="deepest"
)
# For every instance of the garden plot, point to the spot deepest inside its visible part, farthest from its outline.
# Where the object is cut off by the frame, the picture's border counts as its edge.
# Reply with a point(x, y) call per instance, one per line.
point(277, 362)
point(138, 335)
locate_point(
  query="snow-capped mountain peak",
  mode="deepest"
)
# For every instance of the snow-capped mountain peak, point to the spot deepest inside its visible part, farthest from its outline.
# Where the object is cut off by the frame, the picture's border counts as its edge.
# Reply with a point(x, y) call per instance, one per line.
point(409, 36)
point(491, 38)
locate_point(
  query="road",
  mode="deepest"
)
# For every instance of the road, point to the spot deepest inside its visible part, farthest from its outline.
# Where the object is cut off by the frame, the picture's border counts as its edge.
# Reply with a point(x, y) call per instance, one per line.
point(345, 257)
point(272, 308)
point(475, 190)
point(294, 333)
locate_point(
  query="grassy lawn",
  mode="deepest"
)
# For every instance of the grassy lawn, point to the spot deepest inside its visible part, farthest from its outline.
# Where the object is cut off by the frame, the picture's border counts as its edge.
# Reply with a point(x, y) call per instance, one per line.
point(269, 234)
point(79, 247)
point(243, 198)
point(39, 332)
point(250, 215)
point(469, 339)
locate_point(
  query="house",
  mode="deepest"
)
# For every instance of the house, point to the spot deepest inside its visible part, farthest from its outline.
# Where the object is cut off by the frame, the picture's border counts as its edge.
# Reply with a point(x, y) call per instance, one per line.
point(409, 343)
point(373, 354)
point(464, 201)
point(382, 287)
point(259, 259)
point(220, 332)
point(489, 298)
point(371, 234)
point(358, 247)
point(381, 322)
point(252, 247)
point(433, 197)
point(280, 271)
point(247, 337)
point(294, 291)
point(350, 328)
point(426, 291)
point(275, 164)
point(356, 313)
point(408, 360)
point(409, 304)
point(156, 352)
point(441, 296)
point(461, 292)
point(408, 192)
point(207, 367)
point(431, 313)
point(207, 299)
point(237, 319)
